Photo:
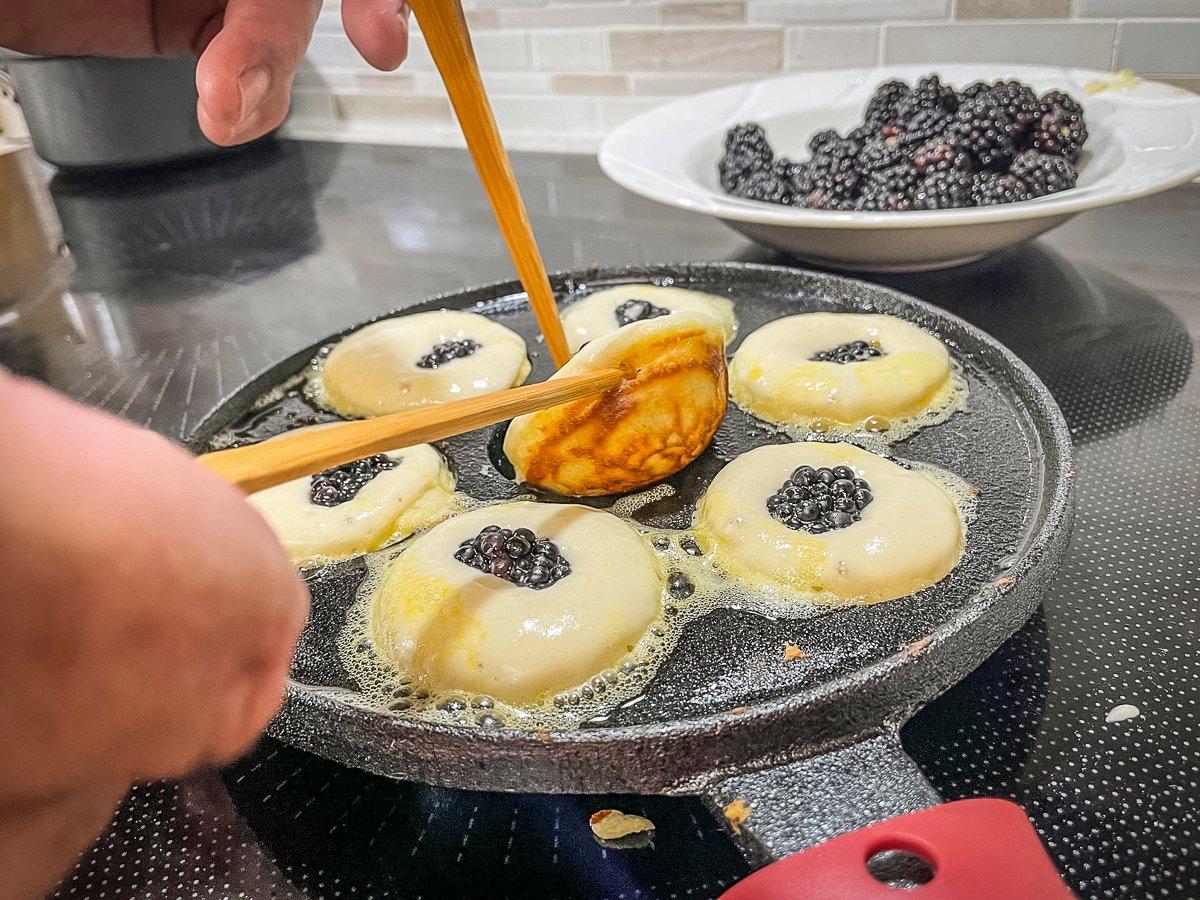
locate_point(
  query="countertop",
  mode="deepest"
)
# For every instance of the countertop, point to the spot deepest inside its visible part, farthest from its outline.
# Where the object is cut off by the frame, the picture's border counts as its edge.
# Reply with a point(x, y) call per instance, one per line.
point(180, 284)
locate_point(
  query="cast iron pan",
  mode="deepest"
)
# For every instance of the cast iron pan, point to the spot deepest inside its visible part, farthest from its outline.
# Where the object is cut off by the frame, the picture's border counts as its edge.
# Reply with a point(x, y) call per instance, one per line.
point(810, 748)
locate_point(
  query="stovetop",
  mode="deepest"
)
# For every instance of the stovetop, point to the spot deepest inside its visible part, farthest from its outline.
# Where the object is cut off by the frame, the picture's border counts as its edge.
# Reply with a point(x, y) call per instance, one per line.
point(182, 284)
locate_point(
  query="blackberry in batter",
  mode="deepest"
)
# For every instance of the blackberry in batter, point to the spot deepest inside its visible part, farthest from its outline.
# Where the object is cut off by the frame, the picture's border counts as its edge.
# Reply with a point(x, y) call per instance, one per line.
point(448, 351)
point(855, 351)
point(635, 310)
point(820, 500)
point(516, 555)
point(336, 486)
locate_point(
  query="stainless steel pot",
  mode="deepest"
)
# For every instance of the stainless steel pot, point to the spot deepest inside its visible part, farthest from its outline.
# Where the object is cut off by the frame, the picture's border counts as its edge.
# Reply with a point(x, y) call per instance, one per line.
point(92, 112)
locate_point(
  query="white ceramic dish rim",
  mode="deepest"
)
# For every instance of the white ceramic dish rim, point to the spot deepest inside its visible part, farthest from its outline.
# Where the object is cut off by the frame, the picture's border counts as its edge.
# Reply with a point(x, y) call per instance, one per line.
point(621, 156)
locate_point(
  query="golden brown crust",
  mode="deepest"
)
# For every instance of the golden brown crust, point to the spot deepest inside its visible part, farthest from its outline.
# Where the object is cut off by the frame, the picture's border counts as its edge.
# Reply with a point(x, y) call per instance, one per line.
point(649, 427)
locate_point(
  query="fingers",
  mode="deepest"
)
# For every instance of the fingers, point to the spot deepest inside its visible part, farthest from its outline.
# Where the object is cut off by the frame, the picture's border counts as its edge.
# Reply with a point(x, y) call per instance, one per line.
point(40, 839)
point(244, 76)
point(378, 29)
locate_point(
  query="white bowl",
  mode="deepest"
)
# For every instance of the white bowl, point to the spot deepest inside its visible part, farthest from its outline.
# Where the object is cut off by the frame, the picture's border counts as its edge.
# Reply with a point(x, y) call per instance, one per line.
point(1145, 138)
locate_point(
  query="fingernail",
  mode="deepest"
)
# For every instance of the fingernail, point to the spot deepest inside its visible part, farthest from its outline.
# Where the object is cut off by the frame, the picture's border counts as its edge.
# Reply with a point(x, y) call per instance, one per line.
point(254, 84)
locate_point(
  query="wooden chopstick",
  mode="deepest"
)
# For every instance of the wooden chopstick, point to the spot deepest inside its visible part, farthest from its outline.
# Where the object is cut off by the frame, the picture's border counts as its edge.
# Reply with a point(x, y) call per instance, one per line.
point(264, 465)
point(445, 29)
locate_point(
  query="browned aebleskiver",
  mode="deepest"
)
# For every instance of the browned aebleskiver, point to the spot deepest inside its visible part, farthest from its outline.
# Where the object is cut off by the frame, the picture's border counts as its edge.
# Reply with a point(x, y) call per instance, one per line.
point(260, 466)
point(445, 29)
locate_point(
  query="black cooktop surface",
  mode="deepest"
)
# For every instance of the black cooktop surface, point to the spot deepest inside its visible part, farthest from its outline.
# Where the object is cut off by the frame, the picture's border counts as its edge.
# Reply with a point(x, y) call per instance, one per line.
point(187, 282)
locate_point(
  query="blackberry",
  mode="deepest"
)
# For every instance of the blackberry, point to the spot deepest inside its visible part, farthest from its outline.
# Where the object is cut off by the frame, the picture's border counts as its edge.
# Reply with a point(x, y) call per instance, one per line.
point(1062, 103)
point(854, 351)
point(990, 189)
point(1060, 129)
point(887, 102)
point(820, 500)
point(930, 94)
point(877, 198)
point(822, 140)
point(1019, 103)
point(973, 90)
point(635, 310)
point(1043, 173)
point(766, 186)
point(842, 151)
point(746, 151)
point(943, 190)
point(940, 155)
point(826, 182)
point(880, 153)
point(900, 179)
point(335, 486)
point(448, 351)
point(516, 555)
point(924, 126)
point(984, 130)
point(867, 131)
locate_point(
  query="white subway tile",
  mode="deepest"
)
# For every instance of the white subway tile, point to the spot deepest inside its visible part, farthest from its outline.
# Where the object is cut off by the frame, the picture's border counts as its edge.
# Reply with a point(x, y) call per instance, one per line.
point(418, 59)
point(705, 12)
point(516, 83)
point(1088, 45)
point(330, 20)
point(584, 50)
point(592, 84)
point(504, 51)
point(313, 107)
point(546, 114)
point(483, 18)
point(326, 50)
point(726, 49)
point(428, 83)
point(1171, 46)
point(674, 84)
point(833, 46)
point(787, 12)
point(616, 110)
point(577, 15)
point(384, 82)
point(391, 108)
point(325, 78)
point(1132, 8)
point(1012, 9)
point(498, 83)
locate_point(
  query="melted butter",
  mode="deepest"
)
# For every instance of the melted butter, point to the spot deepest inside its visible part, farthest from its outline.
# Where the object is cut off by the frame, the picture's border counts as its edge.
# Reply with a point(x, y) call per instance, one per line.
point(384, 687)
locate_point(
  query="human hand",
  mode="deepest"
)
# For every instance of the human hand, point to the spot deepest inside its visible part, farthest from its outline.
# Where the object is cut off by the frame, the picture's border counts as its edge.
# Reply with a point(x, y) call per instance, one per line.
point(248, 49)
point(147, 620)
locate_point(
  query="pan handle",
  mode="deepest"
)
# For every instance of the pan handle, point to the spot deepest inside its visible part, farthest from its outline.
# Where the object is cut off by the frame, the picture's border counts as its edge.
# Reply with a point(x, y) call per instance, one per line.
point(879, 824)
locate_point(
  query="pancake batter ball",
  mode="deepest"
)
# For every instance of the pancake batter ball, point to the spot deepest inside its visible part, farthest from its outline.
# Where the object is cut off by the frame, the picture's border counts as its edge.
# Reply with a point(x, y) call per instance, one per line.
point(854, 369)
point(428, 357)
point(650, 426)
point(615, 307)
point(881, 531)
point(360, 506)
point(573, 591)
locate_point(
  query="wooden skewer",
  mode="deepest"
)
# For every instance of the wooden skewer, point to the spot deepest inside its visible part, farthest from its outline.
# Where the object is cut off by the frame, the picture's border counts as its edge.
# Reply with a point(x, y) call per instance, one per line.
point(260, 466)
point(445, 29)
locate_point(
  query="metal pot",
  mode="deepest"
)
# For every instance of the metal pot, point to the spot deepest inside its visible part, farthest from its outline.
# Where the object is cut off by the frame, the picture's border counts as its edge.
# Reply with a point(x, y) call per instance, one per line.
point(91, 112)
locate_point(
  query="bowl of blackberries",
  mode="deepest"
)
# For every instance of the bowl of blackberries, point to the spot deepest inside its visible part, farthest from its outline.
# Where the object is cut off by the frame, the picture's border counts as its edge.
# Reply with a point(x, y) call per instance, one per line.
point(909, 167)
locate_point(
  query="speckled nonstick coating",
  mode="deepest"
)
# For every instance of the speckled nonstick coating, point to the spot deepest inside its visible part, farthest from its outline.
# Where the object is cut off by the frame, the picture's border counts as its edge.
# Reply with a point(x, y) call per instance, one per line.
point(724, 703)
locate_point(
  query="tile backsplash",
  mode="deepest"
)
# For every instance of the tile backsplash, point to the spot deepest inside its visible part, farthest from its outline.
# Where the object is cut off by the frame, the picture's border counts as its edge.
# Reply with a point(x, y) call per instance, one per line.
point(562, 73)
